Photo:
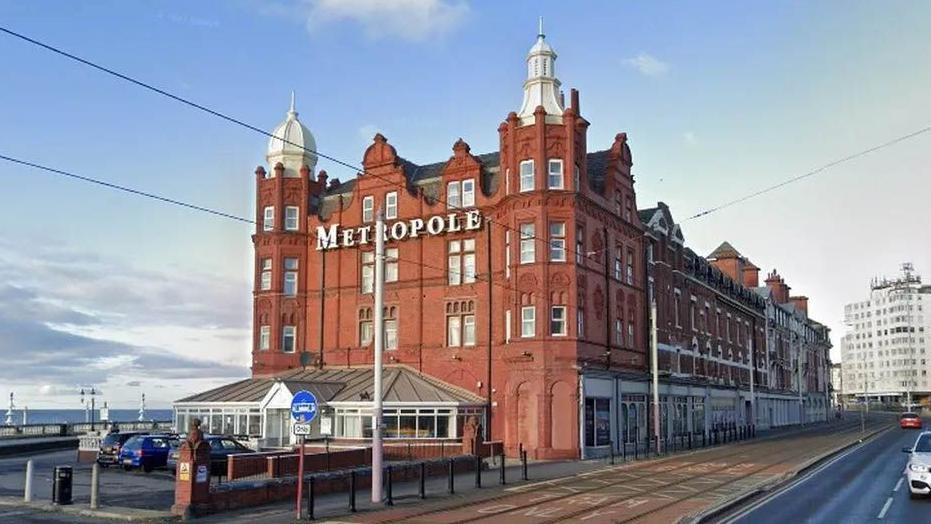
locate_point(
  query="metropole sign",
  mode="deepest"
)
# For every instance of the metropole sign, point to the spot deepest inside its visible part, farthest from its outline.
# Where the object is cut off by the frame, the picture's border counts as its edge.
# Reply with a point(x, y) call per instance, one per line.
point(334, 236)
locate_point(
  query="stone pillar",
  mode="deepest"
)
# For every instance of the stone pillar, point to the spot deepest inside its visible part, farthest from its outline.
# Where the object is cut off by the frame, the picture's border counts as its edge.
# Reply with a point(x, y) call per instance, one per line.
point(472, 437)
point(192, 478)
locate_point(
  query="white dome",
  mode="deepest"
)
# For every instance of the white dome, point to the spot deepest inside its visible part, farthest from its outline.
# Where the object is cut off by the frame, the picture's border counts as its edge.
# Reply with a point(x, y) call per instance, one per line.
point(293, 145)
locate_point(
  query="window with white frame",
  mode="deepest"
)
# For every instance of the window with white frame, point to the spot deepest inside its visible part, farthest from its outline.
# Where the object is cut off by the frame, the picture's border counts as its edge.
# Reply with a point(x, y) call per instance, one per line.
point(291, 218)
point(630, 266)
point(507, 254)
point(507, 326)
point(579, 244)
point(558, 321)
point(391, 264)
point(265, 335)
point(461, 262)
point(368, 272)
point(526, 175)
point(618, 263)
point(391, 205)
point(368, 208)
point(366, 328)
point(468, 193)
point(554, 177)
point(460, 324)
point(290, 277)
point(266, 281)
point(453, 196)
point(268, 222)
point(527, 243)
point(288, 339)
point(528, 321)
point(391, 328)
point(619, 332)
point(580, 322)
point(557, 241)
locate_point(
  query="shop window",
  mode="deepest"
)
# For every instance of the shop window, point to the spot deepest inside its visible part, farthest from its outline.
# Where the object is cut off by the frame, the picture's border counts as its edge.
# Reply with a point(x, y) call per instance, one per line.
point(597, 421)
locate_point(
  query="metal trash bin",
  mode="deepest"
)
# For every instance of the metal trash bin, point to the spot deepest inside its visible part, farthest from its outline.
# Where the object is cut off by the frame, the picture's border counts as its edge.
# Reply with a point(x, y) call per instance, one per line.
point(61, 485)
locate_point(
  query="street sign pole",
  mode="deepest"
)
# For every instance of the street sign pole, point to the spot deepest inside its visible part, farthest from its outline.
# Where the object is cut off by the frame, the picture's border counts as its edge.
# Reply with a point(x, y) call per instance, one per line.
point(379, 319)
point(303, 412)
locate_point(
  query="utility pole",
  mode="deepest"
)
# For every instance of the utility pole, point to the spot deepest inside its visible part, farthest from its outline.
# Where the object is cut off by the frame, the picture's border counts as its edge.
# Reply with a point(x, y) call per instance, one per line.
point(752, 420)
point(654, 365)
point(907, 270)
point(379, 347)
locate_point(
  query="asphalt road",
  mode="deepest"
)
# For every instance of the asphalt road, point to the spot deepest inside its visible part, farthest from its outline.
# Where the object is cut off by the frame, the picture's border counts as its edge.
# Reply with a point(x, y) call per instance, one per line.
point(860, 485)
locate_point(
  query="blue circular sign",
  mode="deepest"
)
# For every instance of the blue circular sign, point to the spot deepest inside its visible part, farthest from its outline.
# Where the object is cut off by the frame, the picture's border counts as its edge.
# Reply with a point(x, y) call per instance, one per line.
point(303, 407)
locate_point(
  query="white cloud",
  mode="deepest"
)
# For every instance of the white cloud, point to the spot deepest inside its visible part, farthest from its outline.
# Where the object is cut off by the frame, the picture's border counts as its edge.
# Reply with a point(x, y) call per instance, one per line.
point(647, 65)
point(414, 20)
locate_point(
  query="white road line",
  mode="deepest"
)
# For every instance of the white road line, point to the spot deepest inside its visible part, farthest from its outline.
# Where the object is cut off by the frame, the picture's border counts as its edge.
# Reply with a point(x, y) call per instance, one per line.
point(898, 484)
point(882, 513)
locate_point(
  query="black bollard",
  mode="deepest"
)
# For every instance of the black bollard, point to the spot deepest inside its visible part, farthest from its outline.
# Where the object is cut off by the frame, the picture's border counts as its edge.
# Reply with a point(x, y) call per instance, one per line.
point(452, 482)
point(636, 450)
point(478, 471)
point(352, 491)
point(690, 440)
point(523, 460)
point(423, 480)
point(611, 447)
point(501, 480)
point(389, 495)
point(310, 499)
point(624, 451)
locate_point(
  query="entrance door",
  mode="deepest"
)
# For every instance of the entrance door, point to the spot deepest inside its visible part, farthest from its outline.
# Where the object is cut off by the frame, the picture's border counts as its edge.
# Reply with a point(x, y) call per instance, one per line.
point(277, 427)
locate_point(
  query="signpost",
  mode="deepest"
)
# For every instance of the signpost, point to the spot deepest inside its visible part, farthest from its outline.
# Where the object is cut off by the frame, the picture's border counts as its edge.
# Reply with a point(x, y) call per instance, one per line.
point(303, 412)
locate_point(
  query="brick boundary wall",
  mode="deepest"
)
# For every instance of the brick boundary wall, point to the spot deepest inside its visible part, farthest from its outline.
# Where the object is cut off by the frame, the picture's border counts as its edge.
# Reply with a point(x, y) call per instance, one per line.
point(250, 493)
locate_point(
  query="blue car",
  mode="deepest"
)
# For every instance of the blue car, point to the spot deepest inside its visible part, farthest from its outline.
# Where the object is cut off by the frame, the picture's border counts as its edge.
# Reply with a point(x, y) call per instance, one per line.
point(147, 452)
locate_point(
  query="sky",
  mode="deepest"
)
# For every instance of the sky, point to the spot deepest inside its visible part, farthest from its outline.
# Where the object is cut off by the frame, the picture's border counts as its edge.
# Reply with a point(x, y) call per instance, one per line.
point(718, 99)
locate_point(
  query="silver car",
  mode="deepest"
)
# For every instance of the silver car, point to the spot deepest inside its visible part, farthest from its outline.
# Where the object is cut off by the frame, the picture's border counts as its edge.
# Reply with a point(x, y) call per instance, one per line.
point(918, 469)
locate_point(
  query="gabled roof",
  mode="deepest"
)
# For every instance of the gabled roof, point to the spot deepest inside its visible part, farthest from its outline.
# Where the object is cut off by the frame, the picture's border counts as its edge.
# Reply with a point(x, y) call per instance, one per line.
point(725, 250)
point(401, 384)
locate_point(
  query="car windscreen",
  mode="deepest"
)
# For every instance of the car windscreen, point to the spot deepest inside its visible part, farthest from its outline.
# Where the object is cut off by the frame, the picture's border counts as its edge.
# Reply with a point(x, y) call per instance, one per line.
point(909, 415)
point(111, 440)
point(133, 443)
point(924, 444)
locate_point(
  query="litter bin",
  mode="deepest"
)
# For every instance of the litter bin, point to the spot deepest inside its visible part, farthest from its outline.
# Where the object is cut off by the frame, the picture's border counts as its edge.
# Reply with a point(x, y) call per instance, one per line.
point(61, 485)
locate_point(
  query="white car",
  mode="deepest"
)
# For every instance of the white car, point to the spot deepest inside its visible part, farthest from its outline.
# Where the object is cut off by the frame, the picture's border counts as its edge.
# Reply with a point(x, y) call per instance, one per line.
point(918, 469)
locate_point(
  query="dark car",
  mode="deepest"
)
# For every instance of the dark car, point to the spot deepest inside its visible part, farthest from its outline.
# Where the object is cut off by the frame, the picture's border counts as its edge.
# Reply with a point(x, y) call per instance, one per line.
point(146, 452)
point(221, 447)
point(109, 451)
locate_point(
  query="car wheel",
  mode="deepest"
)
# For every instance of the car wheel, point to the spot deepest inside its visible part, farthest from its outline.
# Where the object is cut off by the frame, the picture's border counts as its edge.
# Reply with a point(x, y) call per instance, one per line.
point(147, 467)
point(127, 467)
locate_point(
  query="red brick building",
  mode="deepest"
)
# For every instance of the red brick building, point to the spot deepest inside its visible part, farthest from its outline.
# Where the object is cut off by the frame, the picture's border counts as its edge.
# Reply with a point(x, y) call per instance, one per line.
point(553, 224)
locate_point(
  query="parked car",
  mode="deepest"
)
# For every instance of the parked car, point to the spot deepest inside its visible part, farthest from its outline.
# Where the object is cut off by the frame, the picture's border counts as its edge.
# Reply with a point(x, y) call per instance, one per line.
point(918, 469)
point(221, 447)
point(146, 452)
point(910, 420)
point(109, 451)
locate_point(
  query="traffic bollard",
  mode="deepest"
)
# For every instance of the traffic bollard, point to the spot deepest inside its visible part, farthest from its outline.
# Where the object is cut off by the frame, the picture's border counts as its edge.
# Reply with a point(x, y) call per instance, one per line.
point(636, 450)
point(352, 491)
point(502, 481)
point(690, 440)
point(523, 459)
point(27, 492)
point(423, 480)
point(611, 446)
point(389, 497)
point(95, 485)
point(478, 471)
point(452, 481)
point(311, 499)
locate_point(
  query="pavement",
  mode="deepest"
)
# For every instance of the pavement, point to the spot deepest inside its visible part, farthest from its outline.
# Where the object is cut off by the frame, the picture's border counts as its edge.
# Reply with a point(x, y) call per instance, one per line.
point(670, 488)
point(864, 484)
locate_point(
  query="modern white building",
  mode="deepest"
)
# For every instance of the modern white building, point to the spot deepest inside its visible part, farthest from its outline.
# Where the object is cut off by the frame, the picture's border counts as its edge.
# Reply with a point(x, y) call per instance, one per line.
point(886, 351)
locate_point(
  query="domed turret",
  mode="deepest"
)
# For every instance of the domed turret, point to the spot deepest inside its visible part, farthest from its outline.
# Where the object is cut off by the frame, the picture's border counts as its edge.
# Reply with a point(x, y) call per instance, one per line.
point(292, 146)
point(541, 87)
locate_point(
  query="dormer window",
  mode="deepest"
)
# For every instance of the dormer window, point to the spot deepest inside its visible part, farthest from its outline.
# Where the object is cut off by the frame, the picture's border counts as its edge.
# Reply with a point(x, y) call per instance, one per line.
point(368, 208)
point(554, 174)
point(453, 200)
point(526, 176)
point(468, 193)
point(460, 194)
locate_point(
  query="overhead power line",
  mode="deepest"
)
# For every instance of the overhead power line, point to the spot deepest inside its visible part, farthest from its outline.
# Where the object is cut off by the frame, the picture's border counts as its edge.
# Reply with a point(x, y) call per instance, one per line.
point(126, 189)
point(813, 172)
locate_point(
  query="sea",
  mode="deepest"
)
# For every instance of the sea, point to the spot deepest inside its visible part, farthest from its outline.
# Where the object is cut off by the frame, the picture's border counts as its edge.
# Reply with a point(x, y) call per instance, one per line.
point(61, 416)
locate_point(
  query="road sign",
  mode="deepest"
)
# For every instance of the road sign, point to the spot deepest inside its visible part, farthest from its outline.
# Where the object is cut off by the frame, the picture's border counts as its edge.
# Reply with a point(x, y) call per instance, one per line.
point(303, 407)
point(300, 429)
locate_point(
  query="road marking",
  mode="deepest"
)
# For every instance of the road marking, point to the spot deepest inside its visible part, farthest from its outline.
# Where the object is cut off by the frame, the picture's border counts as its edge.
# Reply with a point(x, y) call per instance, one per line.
point(882, 513)
point(898, 484)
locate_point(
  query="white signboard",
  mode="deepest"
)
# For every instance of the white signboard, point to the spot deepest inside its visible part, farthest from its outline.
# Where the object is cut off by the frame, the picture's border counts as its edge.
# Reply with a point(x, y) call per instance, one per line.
point(300, 429)
point(326, 426)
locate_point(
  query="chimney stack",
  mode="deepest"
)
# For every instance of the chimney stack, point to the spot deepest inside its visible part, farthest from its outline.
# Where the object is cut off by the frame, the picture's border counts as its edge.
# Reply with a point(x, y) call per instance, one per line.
point(800, 302)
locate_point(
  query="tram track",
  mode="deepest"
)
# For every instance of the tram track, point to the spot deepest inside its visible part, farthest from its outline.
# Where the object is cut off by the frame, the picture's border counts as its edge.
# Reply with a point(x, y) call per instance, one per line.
point(640, 472)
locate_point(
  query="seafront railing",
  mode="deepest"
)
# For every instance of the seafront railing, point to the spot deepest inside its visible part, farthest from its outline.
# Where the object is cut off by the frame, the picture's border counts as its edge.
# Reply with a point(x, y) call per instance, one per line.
point(79, 428)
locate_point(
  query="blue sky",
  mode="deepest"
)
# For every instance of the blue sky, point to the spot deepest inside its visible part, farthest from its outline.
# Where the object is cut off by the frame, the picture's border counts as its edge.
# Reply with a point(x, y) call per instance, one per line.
point(718, 100)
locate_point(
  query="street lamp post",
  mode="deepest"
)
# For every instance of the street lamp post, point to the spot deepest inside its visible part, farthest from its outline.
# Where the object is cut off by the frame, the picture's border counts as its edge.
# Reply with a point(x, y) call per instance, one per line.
point(92, 393)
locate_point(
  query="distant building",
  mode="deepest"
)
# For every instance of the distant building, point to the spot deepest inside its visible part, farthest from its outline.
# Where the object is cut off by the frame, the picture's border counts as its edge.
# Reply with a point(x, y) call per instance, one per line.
point(886, 351)
point(837, 385)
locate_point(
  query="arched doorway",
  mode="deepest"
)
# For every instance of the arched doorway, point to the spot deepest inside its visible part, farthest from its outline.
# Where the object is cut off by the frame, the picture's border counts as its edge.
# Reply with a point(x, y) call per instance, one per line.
point(526, 416)
point(562, 407)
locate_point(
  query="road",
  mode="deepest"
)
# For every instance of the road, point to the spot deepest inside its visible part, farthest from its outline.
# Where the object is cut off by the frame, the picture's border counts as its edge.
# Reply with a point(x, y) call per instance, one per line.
point(865, 484)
